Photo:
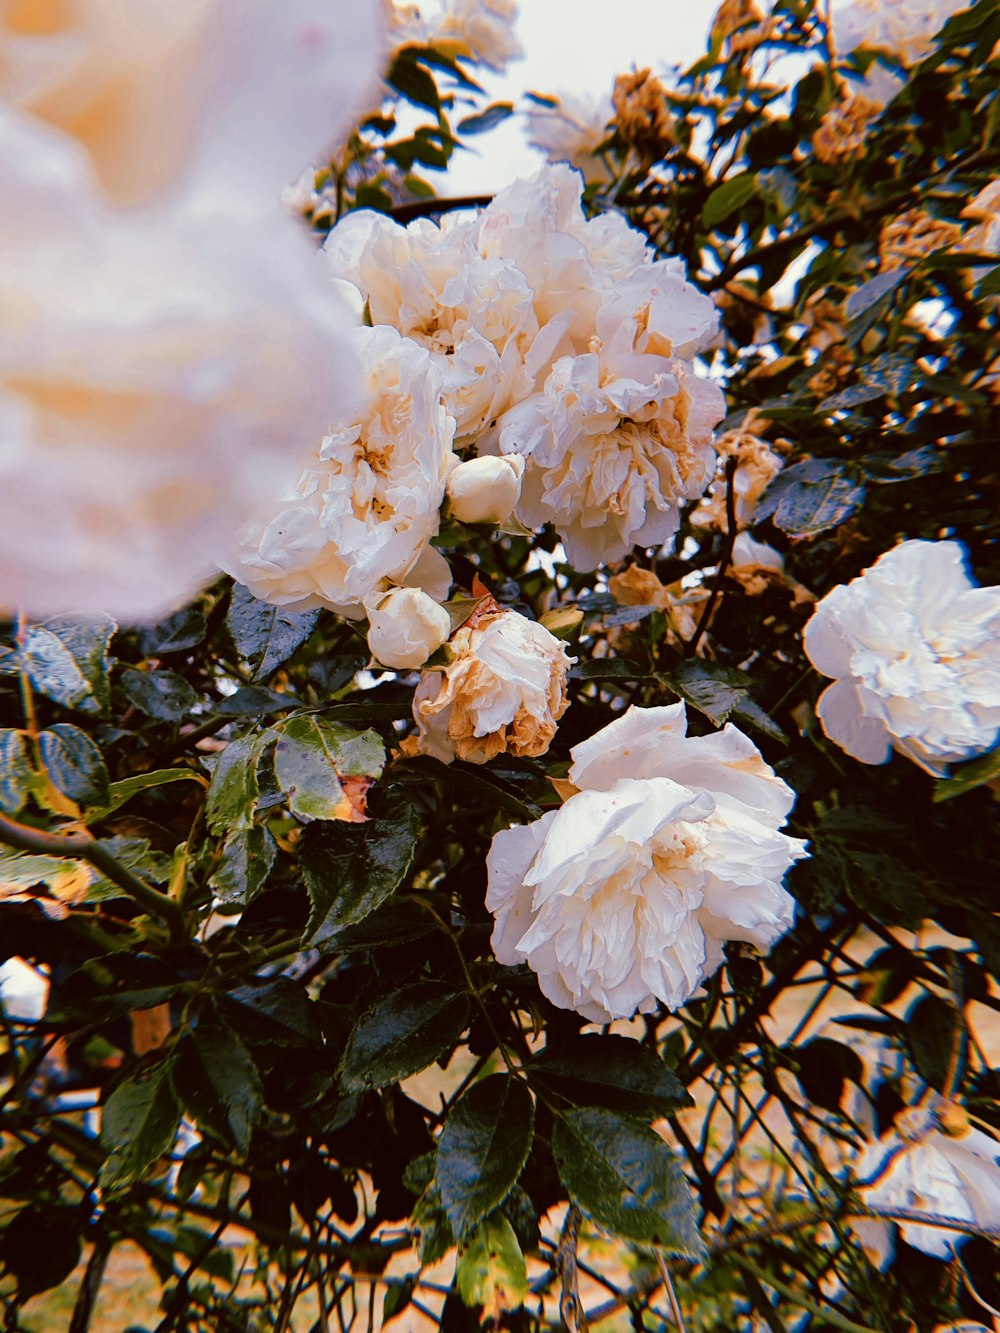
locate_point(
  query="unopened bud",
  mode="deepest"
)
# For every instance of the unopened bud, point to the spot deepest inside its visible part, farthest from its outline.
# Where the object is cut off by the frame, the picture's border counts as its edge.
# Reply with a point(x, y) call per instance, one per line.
point(405, 627)
point(486, 490)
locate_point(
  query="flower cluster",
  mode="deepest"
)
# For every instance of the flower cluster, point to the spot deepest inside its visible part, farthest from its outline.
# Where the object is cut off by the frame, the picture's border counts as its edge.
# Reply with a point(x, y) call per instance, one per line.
point(165, 356)
point(905, 29)
point(560, 340)
point(668, 846)
point(914, 648)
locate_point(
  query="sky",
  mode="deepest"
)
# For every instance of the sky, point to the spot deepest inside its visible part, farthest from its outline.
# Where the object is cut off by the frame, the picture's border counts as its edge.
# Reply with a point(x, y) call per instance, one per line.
point(577, 46)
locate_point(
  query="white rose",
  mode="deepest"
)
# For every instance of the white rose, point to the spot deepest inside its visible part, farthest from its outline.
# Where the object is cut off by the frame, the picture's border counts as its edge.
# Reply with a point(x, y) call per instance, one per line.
point(406, 626)
point(623, 898)
point(572, 131)
point(486, 490)
point(160, 374)
point(904, 28)
point(367, 503)
point(232, 97)
point(613, 455)
point(914, 646)
point(918, 1167)
point(480, 30)
point(504, 690)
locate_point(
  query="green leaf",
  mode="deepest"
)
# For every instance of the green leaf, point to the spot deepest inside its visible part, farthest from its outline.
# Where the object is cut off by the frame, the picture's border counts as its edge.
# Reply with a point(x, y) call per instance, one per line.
point(313, 756)
point(183, 630)
point(248, 856)
point(138, 1124)
point(621, 1174)
point(254, 701)
point(41, 1246)
point(853, 396)
point(160, 694)
point(721, 693)
point(399, 921)
point(431, 1223)
point(610, 1071)
point(491, 1271)
point(726, 198)
point(810, 497)
point(397, 1298)
point(215, 1078)
point(266, 635)
point(74, 763)
point(495, 114)
point(120, 792)
point(967, 777)
point(878, 289)
point(277, 1012)
point(351, 869)
point(410, 77)
point(402, 1034)
point(233, 792)
point(483, 1147)
point(935, 1036)
point(608, 668)
point(67, 661)
point(15, 771)
point(990, 284)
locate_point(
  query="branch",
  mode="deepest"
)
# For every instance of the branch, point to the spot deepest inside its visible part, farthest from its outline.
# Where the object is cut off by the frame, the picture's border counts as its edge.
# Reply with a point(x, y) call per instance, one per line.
point(425, 208)
point(27, 839)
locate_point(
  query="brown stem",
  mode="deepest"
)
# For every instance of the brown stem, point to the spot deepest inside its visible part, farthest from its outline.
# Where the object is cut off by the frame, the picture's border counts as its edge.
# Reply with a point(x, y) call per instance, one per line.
point(27, 839)
point(691, 647)
point(424, 208)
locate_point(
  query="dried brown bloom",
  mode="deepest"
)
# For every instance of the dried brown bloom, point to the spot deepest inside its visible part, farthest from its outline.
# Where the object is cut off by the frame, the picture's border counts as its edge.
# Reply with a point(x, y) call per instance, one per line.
point(757, 464)
point(841, 132)
point(681, 606)
point(832, 370)
point(913, 235)
point(823, 320)
point(643, 117)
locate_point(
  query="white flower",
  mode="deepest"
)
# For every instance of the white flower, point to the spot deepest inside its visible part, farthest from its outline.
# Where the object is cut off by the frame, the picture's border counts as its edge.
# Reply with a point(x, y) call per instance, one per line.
point(613, 449)
point(504, 690)
point(486, 490)
point(480, 30)
point(914, 646)
point(755, 564)
point(572, 131)
point(623, 898)
point(920, 1167)
point(474, 315)
point(367, 503)
point(159, 375)
point(230, 97)
point(406, 627)
point(757, 466)
point(904, 28)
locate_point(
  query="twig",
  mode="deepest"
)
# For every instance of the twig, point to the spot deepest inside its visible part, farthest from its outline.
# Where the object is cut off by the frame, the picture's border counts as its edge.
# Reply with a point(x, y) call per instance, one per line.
point(668, 1282)
point(423, 208)
point(27, 839)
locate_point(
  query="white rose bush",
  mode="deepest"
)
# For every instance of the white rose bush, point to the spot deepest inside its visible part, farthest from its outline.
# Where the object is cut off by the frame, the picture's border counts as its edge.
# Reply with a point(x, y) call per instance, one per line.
point(499, 696)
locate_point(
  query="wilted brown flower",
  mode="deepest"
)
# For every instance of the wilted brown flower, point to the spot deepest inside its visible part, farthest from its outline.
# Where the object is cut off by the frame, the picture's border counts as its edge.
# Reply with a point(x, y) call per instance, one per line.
point(643, 117)
point(757, 464)
point(841, 132)
point(912, 235)
point(681, 606)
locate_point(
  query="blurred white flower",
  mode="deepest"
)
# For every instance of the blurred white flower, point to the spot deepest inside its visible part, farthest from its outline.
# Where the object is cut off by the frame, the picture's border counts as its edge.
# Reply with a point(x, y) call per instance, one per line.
point(914, 646)
point(159, 374)
point(755, 564)
point(481, 30)
point(572, 131)
point(504, 690)
point(903, 28)
point(406, 627)
point(928, 1164)
point(623, 898)
point(366, 505)
point(486, 490)
point(227, 97)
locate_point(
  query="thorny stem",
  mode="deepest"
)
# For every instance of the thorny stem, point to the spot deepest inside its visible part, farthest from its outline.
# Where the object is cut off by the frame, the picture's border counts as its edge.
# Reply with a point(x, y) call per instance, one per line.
point(27, 839)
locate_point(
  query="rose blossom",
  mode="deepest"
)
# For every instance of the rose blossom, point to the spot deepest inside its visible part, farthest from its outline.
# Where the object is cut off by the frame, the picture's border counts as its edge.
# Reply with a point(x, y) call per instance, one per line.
point(930, 1162)
point(479, 30)
point(504, 690)
point(228, 97)
point(623, 898)
point(365, 507)
point(485, 490)
point(914, 647)
point(904, 28)
point(158, 377)
point(406, 627)
point(572, 131)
